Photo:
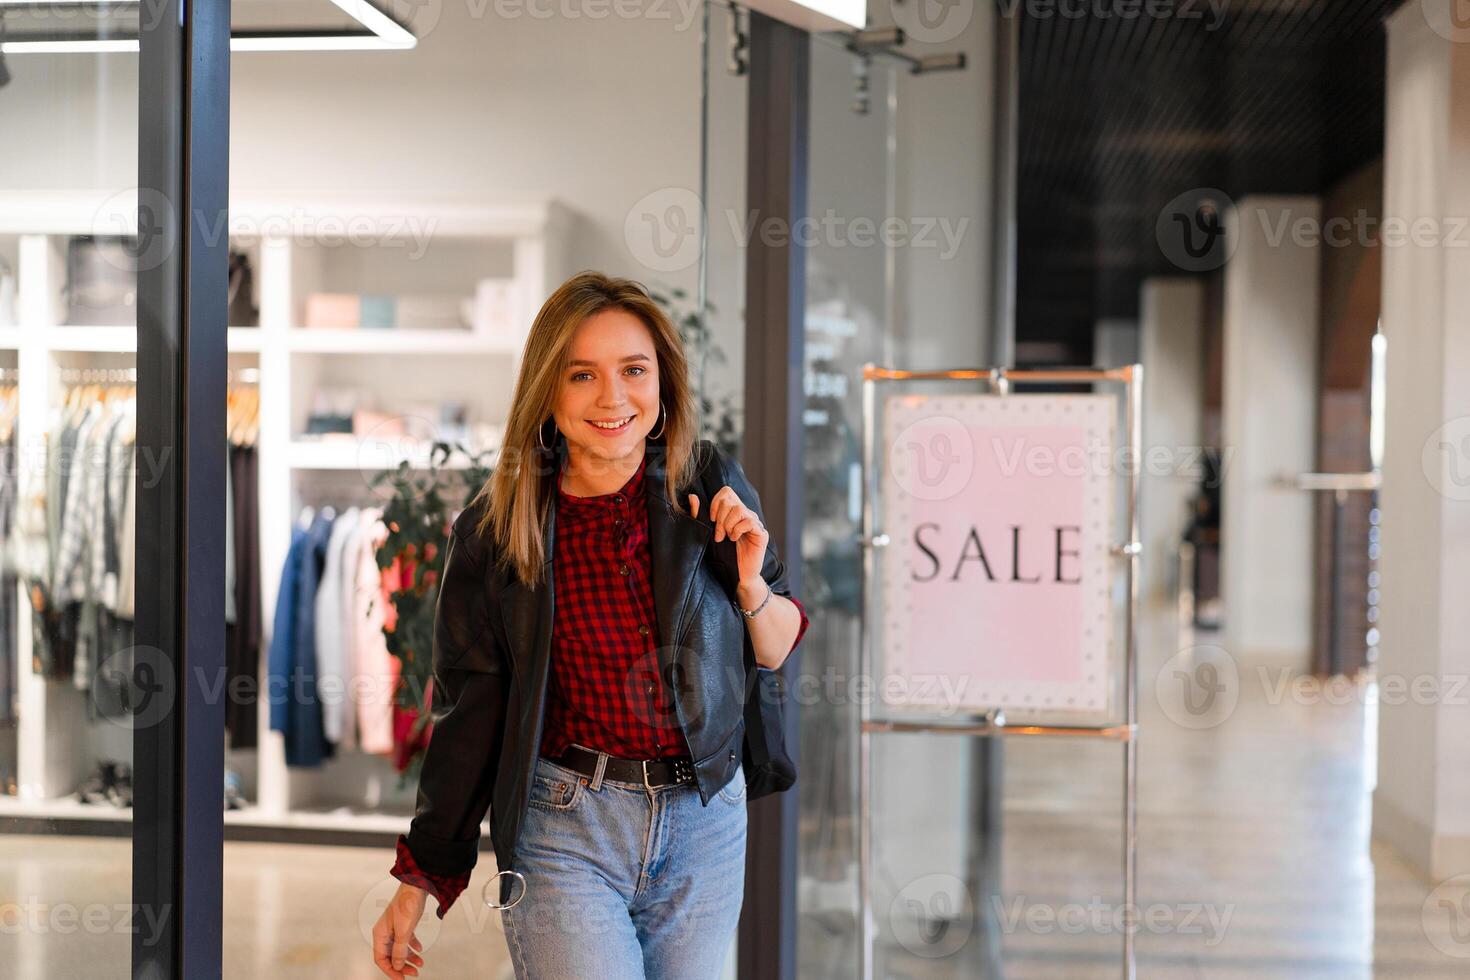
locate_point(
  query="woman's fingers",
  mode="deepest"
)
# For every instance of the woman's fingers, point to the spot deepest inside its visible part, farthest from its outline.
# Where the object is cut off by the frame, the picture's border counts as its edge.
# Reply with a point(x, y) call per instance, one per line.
point(728, 513)
point(741, 526)
point(383, 949)
point(400, 953)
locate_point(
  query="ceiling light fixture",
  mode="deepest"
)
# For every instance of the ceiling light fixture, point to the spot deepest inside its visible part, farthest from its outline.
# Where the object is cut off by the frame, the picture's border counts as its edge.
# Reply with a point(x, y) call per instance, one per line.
point(377, 30)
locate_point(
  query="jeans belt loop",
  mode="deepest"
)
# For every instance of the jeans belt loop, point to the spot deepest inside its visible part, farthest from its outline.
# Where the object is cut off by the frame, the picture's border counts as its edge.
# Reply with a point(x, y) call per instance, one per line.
point(601, 768)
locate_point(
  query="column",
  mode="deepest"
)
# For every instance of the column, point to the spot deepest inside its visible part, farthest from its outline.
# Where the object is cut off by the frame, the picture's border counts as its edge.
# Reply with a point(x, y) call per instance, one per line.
point(1268, 429)
point(1422, 801)
point(1171, 341)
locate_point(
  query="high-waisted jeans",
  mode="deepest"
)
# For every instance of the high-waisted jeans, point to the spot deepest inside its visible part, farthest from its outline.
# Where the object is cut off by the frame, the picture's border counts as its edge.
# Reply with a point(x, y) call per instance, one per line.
point(623, 882)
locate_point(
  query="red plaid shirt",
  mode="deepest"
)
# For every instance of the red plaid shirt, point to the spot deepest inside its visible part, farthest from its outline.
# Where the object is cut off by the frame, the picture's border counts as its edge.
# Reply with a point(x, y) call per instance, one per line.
point(605, 690)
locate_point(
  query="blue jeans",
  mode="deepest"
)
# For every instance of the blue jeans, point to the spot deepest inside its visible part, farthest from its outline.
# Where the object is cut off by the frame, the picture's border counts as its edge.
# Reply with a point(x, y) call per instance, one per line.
point(624, 882)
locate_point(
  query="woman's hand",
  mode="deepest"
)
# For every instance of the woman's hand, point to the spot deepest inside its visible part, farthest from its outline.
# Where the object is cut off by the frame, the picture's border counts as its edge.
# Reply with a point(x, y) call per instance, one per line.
point(734, 520)
point(395, 948)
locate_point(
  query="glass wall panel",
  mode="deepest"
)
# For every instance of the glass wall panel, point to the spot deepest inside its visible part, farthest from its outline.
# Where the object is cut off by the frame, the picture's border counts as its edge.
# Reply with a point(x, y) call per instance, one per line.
point(68, 403)
point(398, 218)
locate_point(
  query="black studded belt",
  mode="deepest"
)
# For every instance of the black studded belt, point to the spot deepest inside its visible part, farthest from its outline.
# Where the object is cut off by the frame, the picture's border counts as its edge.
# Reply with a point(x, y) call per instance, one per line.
point(652, 773)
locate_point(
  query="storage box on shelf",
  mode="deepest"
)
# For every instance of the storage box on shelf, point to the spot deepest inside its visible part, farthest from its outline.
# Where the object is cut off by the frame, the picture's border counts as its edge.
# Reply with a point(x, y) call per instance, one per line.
point(460, 284)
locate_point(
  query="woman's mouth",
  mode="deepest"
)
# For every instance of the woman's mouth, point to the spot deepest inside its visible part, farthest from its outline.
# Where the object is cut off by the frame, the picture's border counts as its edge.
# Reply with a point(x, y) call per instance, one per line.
point(612, 426)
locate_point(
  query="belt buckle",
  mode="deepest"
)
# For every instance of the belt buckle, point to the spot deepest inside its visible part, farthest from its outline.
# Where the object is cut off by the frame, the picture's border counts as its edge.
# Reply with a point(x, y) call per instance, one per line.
point(646, 783)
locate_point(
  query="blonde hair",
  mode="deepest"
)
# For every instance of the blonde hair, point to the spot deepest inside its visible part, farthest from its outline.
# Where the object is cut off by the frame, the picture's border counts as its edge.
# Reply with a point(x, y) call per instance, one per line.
point(522, 489)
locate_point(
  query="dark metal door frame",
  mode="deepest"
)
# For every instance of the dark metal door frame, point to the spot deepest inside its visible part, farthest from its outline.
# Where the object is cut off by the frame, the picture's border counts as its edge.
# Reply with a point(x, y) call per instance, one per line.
point(771, 453)
point(178, 762)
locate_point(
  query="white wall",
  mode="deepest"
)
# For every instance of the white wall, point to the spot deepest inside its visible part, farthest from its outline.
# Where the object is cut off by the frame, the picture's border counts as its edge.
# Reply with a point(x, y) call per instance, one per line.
point(1171, 328)
point(1422, 802)
point(944, 174)
point(596, 112)
point(1268, 429)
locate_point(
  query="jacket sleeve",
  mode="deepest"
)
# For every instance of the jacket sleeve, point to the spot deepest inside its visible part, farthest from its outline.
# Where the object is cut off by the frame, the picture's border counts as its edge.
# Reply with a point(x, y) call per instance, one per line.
point(467, 709)
point(773, 569)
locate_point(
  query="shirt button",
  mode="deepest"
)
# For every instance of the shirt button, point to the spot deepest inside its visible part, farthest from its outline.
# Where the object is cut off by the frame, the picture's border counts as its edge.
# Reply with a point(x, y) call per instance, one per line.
point(617, 498)
point(623, 570)
point(643, 628)
point(618, 522)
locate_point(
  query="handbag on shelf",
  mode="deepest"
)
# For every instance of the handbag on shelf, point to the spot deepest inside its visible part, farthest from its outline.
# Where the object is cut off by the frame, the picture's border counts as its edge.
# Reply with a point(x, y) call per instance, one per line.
point(768, 765)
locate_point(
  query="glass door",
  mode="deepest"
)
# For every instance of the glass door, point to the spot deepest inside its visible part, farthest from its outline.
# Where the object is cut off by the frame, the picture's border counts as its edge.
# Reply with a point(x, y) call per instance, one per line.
point(105, 306)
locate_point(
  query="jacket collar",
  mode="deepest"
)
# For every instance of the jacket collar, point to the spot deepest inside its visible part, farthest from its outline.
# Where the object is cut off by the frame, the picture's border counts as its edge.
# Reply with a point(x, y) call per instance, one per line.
point(676, 544)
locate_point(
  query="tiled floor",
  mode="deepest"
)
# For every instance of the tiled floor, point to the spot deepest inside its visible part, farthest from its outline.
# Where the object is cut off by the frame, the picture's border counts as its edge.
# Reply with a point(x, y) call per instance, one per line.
point(1255, 862)
point(290, 911)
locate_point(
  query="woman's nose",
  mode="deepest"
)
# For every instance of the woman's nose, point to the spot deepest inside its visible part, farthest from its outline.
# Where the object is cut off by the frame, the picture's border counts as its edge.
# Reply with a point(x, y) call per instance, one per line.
point(612, 394)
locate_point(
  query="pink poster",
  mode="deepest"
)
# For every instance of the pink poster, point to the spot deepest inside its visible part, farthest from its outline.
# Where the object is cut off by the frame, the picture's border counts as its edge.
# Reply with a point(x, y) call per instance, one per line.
point(997, 578)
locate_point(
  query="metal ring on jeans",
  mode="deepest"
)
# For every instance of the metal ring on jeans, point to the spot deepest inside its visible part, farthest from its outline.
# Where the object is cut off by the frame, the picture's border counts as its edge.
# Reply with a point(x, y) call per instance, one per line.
point(496, 905)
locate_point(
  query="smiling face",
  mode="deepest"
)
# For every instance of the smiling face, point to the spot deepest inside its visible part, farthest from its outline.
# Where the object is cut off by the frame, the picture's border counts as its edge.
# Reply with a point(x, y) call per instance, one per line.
point(608, 397)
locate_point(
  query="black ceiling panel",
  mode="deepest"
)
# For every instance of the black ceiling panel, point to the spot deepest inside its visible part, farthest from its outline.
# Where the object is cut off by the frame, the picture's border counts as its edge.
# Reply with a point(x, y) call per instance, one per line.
point(1121, 112)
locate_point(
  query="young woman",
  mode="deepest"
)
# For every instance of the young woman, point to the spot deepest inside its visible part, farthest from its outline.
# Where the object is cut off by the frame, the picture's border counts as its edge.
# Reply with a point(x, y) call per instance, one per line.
point(588, 661)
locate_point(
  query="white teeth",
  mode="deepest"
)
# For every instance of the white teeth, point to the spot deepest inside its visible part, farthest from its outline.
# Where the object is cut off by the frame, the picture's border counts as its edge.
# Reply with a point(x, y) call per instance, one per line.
point(612, 425)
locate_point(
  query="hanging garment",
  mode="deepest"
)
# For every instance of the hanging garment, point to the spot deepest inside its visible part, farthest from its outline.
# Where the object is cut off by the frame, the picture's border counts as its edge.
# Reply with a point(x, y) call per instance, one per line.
point(331, 654)
point(9, 606)
point(377, 670)
point(243, 637)
point(297, 712)
point(230, 612)
point(283, 635)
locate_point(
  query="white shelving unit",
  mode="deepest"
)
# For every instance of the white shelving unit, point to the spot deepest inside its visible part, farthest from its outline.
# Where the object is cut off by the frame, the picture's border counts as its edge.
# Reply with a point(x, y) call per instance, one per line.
point(297, 247)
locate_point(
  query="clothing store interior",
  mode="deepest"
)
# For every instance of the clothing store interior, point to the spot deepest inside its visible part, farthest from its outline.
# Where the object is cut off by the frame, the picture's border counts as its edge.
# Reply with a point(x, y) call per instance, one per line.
point(408, 180)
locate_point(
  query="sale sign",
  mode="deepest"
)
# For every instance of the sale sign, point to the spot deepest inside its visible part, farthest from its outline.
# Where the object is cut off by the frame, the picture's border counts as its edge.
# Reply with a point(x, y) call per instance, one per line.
point(997, 580)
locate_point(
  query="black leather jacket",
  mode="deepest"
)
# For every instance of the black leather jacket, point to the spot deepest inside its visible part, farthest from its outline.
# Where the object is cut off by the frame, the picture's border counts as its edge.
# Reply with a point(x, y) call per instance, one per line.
point(492, 650)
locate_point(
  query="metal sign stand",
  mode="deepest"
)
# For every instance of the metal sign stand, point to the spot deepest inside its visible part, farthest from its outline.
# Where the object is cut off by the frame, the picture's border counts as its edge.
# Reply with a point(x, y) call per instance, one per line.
point(993, 722)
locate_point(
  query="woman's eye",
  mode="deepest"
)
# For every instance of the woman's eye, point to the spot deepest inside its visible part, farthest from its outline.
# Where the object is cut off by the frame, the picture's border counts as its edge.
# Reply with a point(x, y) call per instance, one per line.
point(581, 374)
point(640, 370)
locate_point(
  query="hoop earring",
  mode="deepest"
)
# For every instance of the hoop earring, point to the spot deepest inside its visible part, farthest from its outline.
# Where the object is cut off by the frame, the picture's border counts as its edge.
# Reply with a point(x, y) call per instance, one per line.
point(541, 443)
point(662, 419)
